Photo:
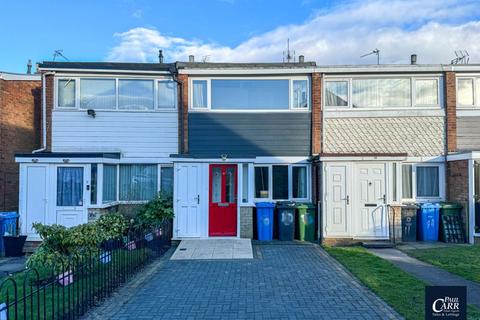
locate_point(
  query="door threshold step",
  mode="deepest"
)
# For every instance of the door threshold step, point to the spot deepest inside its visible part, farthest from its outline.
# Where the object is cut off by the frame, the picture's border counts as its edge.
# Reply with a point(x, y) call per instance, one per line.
point(377, 244)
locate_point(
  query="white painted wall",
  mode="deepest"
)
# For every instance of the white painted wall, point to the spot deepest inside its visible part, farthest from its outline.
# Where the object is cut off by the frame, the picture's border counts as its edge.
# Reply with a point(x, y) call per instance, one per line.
point(134, 134)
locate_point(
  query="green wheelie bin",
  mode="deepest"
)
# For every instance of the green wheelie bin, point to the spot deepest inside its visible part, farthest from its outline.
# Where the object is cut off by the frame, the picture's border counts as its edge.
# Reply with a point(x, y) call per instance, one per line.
point(306, 221)
point(450, 208)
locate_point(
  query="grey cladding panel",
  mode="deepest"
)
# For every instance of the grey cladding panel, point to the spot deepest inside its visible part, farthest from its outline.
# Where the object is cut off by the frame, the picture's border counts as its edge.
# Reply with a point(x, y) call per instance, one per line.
point(468, 133)
point(249, 134)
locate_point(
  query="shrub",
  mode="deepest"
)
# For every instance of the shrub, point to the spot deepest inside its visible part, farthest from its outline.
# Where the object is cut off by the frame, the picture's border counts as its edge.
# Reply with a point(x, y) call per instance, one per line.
point(112, 225)
point(155, 212)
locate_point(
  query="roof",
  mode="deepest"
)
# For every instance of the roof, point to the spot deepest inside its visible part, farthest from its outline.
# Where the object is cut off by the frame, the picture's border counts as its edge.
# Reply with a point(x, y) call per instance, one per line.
point(248, 65)
point(19, 76)
point(106, 66)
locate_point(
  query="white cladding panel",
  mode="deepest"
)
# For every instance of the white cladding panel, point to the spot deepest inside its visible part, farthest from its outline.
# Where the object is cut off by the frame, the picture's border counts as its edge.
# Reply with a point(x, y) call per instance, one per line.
point(134, 134)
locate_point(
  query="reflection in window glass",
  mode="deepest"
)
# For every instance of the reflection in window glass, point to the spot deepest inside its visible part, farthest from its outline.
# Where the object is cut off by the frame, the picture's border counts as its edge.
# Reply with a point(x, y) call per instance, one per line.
point(476, 196)
point(381, 92)
point(166, 183)
point(428, 181)
point(93, 183)
point(299, 182)
point(66, 93)
point(249, 94)
point(135, 94)
point(109, 183)
point(407, 191)
point(69, 186)
point(245, 183)
point(97, 94)
point(426, 92)
point(280, 182)
point(336, 93)
point(261, 182)
point(216, 184)
point(167, 94)
point(199, 90)
point(230, 185)
point(300, 95)
point(465, 92)
point(138, 182)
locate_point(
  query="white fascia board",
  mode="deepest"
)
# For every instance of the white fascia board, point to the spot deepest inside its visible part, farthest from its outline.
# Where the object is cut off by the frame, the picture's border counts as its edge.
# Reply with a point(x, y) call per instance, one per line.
point(378, 68)
point(113, 71)
point(212, 160)
point(254, 71)
point(289, 160)
point(362, 158)
point(384, 113)
point(64, 160)
point(426, 159)
point(19, 77)
point(471, 155)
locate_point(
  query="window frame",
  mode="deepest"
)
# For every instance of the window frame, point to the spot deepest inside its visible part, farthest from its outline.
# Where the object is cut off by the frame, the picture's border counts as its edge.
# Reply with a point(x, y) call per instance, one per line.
point(156, 100)
point(290, 182)
point(476, 98)
point(209, 95)
point(411, 106)
point(75, 94)
point(441, 182)
point(77, 79)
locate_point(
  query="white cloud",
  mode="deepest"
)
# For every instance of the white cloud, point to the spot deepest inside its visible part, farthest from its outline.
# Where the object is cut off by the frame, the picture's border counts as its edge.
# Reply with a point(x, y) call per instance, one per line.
point(432, 29)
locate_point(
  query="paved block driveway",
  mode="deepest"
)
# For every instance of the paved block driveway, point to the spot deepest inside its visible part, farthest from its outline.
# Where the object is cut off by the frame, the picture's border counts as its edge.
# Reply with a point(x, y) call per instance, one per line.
point(283, 282)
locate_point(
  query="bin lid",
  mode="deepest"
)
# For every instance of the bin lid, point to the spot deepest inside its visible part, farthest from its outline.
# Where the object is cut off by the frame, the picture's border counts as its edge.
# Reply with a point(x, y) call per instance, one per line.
point(264, 205)
point(451, 205)
point(8, 215)
point(430, 205)
point(305, 205)
point(285, 204)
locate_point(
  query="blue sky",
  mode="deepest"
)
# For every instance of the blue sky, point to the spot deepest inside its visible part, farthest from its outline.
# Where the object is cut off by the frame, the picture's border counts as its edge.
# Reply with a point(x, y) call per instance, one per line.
point(329, 32)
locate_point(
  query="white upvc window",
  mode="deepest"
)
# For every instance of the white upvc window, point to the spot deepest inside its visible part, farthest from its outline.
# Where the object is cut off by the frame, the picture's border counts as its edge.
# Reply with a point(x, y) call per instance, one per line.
point(108, 93)
point(276, 182)
point(249, 94)
point(468, 91)
point(381, 92)
point(422, 182)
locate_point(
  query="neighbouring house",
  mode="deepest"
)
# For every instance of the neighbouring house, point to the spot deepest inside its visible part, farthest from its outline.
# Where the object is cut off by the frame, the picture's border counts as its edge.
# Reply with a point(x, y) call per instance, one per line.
point(245, 138)
point(19, 129)
point(108, 130)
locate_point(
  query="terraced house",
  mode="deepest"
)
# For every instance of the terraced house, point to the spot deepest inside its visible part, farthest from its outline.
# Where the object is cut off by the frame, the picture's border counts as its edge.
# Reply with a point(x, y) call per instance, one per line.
point(361, 142)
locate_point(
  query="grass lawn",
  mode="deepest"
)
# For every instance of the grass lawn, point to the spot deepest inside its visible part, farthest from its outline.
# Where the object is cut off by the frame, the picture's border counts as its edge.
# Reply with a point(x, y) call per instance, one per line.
point(461, 260)
point(401, 291)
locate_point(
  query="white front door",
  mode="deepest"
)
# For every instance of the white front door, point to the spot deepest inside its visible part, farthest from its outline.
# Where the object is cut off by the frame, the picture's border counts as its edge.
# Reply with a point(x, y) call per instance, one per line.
point(71, 194)
point(188, 195)
point(35, 197)
point(337, 200)
point(369, 209)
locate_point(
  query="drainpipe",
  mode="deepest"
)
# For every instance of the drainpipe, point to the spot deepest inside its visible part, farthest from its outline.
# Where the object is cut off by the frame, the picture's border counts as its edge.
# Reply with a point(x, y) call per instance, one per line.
point(44, 113)
point(174, 73)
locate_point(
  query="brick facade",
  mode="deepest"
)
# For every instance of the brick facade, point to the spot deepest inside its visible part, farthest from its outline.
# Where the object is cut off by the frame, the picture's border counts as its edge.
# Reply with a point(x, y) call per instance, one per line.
point(316, 113)
point(19, 133)
point(451, 111)
point(457, 185)
point(246, 222)
point(183, 115)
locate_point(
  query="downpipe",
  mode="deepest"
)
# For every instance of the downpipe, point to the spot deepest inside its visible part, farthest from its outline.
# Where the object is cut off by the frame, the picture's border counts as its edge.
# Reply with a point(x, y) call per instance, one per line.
point(44, 113)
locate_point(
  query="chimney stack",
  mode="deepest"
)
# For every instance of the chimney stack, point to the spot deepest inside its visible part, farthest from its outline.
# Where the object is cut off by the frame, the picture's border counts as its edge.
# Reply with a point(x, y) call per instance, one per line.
point(191, 58)
point(160, 56)
point(301, 58)
point(413, 59)
point(29, 67)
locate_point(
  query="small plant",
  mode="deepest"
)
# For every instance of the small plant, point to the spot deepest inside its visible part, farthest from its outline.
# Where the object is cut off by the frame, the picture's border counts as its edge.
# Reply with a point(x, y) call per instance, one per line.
point(155, 212)
point(112, 225)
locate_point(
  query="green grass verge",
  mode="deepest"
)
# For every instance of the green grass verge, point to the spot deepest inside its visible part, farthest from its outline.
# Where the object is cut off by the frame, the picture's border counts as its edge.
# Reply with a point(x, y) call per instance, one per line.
point(401, 291)
point(460, 260)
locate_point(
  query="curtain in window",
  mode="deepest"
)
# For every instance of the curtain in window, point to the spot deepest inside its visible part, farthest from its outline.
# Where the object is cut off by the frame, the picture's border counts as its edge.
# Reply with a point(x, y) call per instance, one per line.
point(427, 182)
point(166, 184)
point(97, 94)
point(135, 94)
point(199, 93)
point(426, 92)
point(407, 181)
point(300, 97)
point(299, 177)
point(381, 92)
point(66, 93)
point(336, 93)
point(138, 182)
point(365, 92)
point(69, 186)
point(465, 92)
point(109, 183)
point(167, 94)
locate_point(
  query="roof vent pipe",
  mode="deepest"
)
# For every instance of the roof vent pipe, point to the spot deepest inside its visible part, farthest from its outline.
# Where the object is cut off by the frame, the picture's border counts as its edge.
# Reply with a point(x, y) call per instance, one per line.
point(160, 56)
point(29, 67)
point(191, 58)
point(301, 58)
point(413, 59)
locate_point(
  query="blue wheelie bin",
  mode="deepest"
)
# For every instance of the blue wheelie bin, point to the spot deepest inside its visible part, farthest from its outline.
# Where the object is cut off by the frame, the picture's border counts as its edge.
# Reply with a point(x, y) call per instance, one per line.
point(265, 220)
point(8, 225)
point(428, 222)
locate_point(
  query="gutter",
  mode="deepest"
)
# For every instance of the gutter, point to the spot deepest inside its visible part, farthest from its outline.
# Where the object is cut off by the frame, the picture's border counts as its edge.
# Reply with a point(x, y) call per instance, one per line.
point(174, 73)
point(44, 113)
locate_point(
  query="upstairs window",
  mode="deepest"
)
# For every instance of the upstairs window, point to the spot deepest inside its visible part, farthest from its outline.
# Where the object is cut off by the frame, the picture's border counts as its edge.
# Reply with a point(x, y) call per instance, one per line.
point(167, 94)
point(135, 95)
point(465, 91)
point(199, 94)
point(300, 94)
point(336, 93)
point(66, 93)
point(426, 92)
point(381, 93)
point(97, 94)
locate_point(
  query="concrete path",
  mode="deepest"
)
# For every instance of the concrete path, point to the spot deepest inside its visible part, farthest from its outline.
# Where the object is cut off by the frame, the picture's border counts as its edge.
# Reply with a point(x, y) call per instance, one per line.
point(430, 274)
point(281, 282)
point(206, 249)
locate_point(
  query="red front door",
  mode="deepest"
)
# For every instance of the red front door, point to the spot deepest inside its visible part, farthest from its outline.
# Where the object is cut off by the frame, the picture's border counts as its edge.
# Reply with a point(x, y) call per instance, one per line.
point(223, 200)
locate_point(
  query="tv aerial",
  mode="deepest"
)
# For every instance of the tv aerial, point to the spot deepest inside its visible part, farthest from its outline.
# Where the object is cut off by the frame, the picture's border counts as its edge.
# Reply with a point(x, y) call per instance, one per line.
point(461, 57)
point(375, 52)
point(288, 56)
point(59, 53)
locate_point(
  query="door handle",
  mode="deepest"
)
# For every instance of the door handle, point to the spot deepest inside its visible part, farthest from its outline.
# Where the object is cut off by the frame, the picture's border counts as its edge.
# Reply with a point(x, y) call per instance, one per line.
point(198, 198)
point(347, 198)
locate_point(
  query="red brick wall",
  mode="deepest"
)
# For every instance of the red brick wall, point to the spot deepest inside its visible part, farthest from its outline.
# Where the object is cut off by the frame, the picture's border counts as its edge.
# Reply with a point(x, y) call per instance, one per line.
point(19, 133)
point(316, 113)
point(183, 116)
point(451, 110)
point(457, 184)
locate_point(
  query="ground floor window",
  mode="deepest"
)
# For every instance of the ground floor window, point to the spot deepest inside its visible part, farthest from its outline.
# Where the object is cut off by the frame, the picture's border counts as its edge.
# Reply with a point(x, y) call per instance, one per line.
point(476, 196)
point(281, 182)
point(422, 181)
point(109, 183)
point(69, 186)
point(138, 182)
point(166, 180)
